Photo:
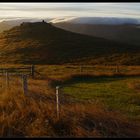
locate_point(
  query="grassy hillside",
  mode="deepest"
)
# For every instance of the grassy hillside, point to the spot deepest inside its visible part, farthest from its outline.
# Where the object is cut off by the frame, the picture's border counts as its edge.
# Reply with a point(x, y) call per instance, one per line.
point(42, 43)
point(89, 106)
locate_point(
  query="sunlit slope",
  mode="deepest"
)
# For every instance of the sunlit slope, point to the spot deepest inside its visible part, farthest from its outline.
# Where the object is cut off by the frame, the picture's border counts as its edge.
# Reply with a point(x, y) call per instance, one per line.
point(42, 43)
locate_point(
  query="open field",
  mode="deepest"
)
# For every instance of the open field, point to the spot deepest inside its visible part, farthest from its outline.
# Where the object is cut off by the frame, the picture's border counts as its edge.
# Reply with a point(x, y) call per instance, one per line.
point(64, 82)
point(94, 102)
point(116, 93)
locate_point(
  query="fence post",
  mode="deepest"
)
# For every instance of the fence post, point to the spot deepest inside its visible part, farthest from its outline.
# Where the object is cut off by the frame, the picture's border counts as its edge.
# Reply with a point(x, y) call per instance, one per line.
point(32, 71)
point(117, 68)
point(7, 79)
point(24, 84)
point(57, 101)
point(81, 69)
point(3, 72)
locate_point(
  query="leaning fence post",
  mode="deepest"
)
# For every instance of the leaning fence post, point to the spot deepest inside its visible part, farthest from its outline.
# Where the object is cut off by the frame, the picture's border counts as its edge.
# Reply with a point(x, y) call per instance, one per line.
point(24, 84)
point(32, 71)
point(7, 79)
point(57, 101)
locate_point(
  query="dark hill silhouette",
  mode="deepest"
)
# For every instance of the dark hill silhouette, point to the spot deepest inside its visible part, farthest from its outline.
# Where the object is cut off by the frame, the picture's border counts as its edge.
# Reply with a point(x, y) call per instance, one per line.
point(125, 33)
point(42, 43)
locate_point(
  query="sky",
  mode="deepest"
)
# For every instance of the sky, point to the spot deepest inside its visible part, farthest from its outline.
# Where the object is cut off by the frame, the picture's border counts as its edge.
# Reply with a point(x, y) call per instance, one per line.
point(51, 10)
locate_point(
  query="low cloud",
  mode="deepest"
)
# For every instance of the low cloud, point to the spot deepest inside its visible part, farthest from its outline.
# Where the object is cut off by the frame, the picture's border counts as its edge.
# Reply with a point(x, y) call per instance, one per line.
point(98, 20)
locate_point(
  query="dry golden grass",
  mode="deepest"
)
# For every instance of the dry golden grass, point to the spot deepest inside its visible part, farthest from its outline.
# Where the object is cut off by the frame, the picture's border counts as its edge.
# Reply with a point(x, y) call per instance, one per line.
point(35, 115)
point(93, 118)
point(135, 85)
point(61, 71)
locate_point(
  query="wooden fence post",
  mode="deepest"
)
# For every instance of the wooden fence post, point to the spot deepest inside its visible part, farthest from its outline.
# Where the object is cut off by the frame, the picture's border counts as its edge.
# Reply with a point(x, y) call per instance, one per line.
point(7, 79)
point(57, 101)
point(32, 71)
point(117, 68)
point(81, 69)
point(3, 72)
point(25, 84)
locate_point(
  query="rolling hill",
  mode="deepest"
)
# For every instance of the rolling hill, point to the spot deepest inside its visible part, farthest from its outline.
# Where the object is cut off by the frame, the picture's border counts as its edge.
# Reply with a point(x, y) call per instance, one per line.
point(125, 33)
point(9, 23)
point(43, 43)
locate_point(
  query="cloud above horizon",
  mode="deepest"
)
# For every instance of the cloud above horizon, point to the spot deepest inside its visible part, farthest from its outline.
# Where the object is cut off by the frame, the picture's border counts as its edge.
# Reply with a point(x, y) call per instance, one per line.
point(55, 10)
point(97, 20)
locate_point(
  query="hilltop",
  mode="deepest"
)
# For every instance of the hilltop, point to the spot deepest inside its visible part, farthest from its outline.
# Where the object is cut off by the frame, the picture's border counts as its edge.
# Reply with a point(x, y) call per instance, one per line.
point(43, 43)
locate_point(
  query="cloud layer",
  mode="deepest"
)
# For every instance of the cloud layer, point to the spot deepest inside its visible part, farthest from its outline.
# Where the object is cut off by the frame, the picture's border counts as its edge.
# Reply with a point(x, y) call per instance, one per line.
point(43, 10)
point(90, 13)
point(97, 20)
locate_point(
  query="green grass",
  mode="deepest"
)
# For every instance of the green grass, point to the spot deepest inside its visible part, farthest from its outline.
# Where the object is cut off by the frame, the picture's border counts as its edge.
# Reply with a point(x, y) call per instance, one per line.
point(90, 104)
point(117, 94)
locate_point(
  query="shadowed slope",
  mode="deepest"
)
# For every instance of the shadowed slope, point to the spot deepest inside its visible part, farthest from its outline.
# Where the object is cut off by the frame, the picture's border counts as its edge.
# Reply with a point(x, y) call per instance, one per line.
point(42, 43)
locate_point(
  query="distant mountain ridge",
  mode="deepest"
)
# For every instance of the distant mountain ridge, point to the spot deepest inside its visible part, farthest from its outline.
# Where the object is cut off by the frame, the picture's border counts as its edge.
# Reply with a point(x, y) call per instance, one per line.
point(125, 33)
point(43, 43)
